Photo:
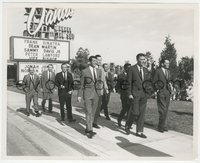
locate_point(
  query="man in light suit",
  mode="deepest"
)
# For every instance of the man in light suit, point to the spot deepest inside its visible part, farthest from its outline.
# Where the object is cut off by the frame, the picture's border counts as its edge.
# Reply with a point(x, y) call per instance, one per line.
point(162, 75)
point(32, 82)
point(103, 90)
point(106, 95)
point(90, 91)
point(64, 82)
point(47, 81)
point(137, 74)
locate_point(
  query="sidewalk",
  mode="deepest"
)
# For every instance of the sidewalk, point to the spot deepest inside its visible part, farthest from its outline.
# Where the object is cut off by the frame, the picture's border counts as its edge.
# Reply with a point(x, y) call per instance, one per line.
point(111, 142)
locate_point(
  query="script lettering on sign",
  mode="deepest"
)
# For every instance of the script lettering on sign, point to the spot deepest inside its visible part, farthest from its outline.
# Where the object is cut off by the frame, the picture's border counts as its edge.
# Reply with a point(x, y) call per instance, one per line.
point(46, 17)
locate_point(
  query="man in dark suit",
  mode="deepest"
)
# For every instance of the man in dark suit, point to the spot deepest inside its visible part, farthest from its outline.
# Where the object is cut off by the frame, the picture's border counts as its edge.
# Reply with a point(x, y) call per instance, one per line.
point(32, 82)
point(47, 79)
point(64, 82)
point(90, 91)
point(106, 95)
point(137, 74)
point(162, 75)
point(121, 87)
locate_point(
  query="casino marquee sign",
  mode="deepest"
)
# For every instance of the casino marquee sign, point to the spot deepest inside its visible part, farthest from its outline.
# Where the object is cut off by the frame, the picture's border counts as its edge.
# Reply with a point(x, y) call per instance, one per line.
point(42, 23)
point(43, 39)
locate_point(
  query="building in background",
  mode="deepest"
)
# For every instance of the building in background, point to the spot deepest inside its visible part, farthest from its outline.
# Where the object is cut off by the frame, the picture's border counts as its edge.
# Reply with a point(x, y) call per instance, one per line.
point(41, 42)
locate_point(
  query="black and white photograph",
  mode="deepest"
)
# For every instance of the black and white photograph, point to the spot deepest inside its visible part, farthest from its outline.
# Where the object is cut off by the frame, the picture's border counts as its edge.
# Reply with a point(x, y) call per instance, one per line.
point(100, 81)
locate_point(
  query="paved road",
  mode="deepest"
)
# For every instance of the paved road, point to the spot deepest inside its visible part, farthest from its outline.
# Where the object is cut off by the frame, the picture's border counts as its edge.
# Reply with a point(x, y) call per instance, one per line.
point(28, 138)
point(47, 136)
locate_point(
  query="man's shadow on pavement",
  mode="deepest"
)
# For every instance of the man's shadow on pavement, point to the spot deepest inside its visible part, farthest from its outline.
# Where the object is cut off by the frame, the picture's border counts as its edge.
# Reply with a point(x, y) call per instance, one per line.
point(103, 122)
point(78, 125)
point(139, 149)
point(23, 111)
point(75, 125)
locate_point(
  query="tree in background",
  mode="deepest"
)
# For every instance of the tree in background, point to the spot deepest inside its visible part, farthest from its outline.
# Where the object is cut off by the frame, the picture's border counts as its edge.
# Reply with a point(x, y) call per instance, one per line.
point(80, 62)
point(169, 53)
point(81, 59)
point(186, 69)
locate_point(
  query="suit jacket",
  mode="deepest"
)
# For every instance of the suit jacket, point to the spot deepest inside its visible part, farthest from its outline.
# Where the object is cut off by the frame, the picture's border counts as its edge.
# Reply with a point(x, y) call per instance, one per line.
point(59, 80)
point(160, 76)
point(45, 78)
point(88, 88)
point(103, 79)
point(31, 85)
point(109, 81)
point(135, 81)
point(122, 84)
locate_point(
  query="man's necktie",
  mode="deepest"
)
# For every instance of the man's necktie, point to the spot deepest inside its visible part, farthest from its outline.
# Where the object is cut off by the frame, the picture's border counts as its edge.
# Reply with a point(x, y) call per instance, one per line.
point(49, 76)
point(32, 77)
point(64, 75)
point(141, 73)
point(31, 82)
point(166, 74)
point(95, 78)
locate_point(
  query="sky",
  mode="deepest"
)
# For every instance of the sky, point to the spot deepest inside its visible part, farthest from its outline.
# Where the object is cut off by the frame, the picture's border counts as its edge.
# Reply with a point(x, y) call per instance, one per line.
point(119, 33)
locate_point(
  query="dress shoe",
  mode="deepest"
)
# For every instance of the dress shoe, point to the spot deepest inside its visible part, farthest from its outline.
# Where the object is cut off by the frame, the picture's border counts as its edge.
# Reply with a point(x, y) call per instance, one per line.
point(89, 134)
point(165, 129)
point(72, 120)
point(62, 119)
point(86, 131)
point(28, 114)
point(37, 114)
point(93, 133)
point(43, 108)
point(127, 130)
point(108, 118)
point(141, 135)
point(95, 125)
point(161, 130)
point(119, 123)
point(50, 111)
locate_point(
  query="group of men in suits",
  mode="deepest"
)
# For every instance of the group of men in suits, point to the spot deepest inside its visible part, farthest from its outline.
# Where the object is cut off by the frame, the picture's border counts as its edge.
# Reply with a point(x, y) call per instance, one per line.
point(46, 84)
point(96, 84)
point(134, 97)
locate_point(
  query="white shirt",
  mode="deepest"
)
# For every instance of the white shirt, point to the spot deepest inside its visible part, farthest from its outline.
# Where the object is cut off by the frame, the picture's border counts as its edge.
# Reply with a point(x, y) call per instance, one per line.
point(64, 75)
point(93, 70)
point(141, 70)
point(49, 74)
point(164, 70)
point(32, 77)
